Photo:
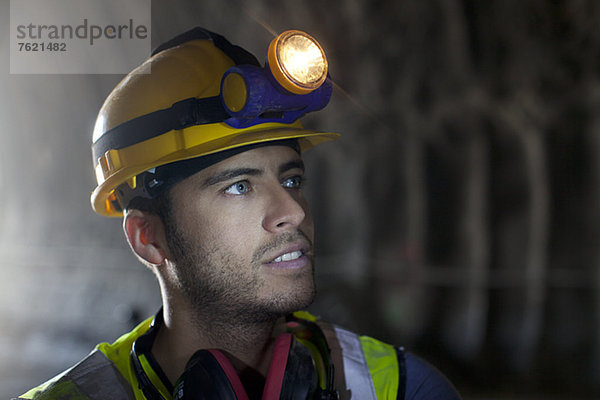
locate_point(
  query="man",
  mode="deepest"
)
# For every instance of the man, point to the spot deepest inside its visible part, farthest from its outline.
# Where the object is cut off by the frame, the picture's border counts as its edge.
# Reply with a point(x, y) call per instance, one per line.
point(199, 149)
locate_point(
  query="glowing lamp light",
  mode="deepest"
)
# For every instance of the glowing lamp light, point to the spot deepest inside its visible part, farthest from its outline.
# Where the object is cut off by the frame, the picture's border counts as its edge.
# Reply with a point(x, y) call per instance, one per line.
point(293, 82)
point(297, 62)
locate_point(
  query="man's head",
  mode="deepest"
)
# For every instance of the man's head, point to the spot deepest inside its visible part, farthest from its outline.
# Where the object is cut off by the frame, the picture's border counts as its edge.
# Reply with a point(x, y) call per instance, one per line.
point(212, 200)
point(236, 238)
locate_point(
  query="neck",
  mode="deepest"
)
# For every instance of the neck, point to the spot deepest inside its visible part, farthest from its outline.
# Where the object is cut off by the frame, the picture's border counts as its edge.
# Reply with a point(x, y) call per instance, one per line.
point(247, 343)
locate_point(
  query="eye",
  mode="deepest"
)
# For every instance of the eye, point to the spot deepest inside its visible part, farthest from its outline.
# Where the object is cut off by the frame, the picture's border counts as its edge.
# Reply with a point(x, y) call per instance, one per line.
point(295, 182)
point(238, 188)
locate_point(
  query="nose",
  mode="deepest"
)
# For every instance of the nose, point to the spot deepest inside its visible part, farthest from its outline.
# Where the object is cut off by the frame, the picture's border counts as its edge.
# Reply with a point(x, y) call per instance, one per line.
point(284, 210)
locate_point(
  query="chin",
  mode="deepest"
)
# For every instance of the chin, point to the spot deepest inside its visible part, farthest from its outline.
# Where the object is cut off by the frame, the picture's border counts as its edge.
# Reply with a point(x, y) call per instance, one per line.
point(288, 302)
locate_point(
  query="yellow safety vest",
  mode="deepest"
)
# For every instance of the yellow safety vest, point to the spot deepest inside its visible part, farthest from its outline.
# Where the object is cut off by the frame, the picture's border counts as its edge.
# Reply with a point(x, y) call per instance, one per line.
point(369, 369)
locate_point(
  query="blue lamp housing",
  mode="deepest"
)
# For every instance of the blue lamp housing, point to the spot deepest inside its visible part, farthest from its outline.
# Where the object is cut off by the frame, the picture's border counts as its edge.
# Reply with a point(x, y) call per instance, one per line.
point(265, 99)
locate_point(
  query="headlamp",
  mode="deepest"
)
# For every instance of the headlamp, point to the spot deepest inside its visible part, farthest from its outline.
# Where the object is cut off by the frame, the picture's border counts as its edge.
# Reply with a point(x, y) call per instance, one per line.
point(293, 82)
point(297, 62)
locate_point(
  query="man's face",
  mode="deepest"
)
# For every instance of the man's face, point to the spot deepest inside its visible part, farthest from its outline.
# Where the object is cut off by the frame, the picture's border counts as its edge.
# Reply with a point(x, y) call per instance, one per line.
point(240, 235)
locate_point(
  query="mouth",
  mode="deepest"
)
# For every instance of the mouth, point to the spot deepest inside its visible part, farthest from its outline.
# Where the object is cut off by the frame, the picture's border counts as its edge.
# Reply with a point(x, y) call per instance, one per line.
point(293, 257)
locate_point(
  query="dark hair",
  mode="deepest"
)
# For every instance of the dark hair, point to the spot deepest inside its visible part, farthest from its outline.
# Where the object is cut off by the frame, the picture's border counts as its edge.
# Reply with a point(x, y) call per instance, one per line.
point(160, 206)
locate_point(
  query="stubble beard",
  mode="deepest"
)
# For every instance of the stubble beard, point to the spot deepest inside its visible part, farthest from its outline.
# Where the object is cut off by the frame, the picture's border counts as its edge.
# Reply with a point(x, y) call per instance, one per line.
point(222, 291)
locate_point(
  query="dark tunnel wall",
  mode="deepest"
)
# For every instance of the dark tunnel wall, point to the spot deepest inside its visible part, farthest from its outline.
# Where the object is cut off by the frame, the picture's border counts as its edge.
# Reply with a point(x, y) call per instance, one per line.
point(458, 215)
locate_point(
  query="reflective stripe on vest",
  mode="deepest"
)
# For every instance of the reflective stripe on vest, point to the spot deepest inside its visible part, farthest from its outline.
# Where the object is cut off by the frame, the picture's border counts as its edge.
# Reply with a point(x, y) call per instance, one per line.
point(369, 368)
point(356, 370)
point(93, 378)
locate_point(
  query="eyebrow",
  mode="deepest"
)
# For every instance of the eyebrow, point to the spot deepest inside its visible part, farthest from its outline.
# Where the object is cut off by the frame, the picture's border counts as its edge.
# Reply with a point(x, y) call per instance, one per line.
point(229, 174)
point(291, 165)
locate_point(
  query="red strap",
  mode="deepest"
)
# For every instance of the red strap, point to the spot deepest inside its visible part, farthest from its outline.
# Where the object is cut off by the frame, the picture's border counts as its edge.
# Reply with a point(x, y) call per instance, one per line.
point(234, 379)
point(276, 372)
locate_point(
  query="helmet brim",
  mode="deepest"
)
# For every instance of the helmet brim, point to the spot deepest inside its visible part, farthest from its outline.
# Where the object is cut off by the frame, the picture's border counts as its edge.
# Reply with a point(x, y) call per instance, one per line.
point(119, 166)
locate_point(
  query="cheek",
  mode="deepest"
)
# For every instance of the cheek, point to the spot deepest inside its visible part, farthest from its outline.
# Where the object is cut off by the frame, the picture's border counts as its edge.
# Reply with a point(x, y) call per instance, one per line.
point(230, 230)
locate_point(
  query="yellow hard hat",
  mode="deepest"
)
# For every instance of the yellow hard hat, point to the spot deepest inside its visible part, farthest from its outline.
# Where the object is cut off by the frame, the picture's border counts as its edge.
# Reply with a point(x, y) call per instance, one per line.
point(172, 108)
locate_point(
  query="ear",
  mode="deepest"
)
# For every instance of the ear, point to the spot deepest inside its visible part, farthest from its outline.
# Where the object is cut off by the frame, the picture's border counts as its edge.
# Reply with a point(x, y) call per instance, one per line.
point(145, 235)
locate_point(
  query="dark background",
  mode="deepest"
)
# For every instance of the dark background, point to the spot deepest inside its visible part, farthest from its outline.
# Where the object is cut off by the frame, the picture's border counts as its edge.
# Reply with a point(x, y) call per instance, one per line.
point(458, 215)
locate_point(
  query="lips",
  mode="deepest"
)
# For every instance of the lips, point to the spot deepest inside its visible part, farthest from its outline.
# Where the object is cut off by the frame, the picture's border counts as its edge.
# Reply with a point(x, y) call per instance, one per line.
point(288, 256)
point(293, 256)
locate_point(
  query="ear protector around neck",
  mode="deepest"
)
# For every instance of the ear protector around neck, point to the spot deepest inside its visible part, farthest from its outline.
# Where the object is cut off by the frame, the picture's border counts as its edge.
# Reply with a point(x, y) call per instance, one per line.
point(210, 375)
point(300, 369)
